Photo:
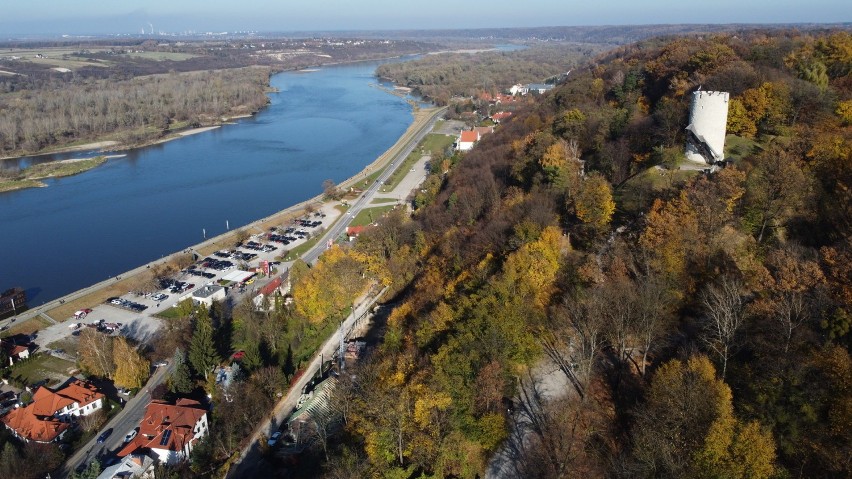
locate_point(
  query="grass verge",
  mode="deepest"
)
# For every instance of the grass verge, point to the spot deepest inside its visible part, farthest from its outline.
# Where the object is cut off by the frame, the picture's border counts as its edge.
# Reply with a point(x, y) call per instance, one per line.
point(432, 144)
point(370, 215)
point(26, 327)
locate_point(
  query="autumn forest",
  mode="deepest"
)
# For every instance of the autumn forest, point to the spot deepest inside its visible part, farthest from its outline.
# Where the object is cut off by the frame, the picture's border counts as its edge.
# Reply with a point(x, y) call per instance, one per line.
point(700, 322)
point(566, 301)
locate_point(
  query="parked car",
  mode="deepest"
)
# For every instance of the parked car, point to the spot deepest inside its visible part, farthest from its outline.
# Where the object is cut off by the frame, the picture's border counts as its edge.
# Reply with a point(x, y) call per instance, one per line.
point(130, 435)
point(162, 363)
point(104, 435)
point(274, 439)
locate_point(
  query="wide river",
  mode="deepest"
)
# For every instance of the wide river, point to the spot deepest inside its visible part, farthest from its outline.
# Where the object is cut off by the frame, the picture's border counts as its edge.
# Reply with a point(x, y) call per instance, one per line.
point(157, 200)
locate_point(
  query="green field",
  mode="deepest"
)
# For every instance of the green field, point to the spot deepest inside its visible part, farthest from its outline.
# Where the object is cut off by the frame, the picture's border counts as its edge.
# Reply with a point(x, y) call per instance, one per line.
point(737, 147)
point(635, 193)
point(370, 215)
point(379, 201)
point(161, 56)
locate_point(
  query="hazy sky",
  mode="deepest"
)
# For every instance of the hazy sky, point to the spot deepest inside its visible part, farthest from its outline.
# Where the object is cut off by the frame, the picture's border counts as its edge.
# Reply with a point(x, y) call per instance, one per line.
point(130, 16)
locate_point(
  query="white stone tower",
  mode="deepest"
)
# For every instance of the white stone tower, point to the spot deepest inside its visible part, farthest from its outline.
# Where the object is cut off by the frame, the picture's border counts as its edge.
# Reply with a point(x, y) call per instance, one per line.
point(708, 119)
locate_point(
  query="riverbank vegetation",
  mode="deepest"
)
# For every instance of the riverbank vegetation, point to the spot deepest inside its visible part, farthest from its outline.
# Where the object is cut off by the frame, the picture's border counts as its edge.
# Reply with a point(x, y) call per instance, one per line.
point(30, 177)
point(130, 111)
point(702, 330)
point(55, 95)
point(440, 77)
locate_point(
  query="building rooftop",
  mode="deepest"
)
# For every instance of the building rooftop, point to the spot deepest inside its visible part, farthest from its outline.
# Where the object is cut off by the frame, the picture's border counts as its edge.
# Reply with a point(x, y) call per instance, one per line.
point(31, 427)
point(47, 402)
point(469, 136)
point(207, 291)
point(166, 426)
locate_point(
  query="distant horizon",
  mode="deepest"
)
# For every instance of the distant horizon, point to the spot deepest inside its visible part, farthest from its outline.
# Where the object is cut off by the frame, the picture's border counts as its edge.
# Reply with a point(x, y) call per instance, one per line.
point(93, 17)
point(260, 33)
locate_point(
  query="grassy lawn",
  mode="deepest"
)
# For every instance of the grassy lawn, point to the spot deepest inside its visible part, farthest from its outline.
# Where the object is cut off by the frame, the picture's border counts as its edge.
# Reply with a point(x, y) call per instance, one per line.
point(169, 313)
point(634, 194)
point(432, 144)
point(26, 327)
point(370, 215)
point(737, 147)
point(43, 366)
point(378, 201)
point(70, 345)
point(303, 248)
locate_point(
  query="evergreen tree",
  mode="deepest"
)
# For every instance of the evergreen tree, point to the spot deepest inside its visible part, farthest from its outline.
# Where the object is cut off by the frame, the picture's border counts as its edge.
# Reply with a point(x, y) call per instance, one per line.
point(289, 367)
point(202, 354)
point(180, 381)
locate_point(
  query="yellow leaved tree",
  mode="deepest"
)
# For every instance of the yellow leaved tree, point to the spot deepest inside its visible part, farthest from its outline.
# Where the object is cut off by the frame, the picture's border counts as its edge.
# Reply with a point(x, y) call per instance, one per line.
point(131, 369)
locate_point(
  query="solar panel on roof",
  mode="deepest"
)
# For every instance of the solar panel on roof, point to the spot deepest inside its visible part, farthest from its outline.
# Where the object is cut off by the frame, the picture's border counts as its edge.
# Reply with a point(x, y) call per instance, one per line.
point(167, 434)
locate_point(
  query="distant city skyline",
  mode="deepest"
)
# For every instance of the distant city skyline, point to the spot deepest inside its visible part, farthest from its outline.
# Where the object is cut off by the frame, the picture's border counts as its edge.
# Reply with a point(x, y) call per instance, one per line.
point(56, 17)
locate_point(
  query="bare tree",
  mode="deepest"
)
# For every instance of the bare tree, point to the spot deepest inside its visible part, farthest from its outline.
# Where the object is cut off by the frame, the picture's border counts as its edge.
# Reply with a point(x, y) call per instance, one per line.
point(331, 190)
point(654, 312)
point(723, 305)
point(573, 336)
point(790, 310)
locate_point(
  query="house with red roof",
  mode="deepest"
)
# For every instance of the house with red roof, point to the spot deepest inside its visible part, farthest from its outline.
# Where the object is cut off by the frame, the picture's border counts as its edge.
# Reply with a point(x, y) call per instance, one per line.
point(169, 431)
point(354, 231)
point(483, 130)
point(47, 418)
point(15, 349)
point(500, 116)
point(467, 139)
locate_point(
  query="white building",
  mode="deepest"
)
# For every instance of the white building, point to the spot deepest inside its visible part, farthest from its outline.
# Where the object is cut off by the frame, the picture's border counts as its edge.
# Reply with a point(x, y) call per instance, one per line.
point(519, 89)
point(708, 119)
point(207, 294)
point(467, 139)
point(169, 431)
point(136, 466)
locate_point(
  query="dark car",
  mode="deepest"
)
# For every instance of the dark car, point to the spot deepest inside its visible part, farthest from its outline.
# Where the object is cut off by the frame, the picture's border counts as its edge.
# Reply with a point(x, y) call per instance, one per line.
point(104, 435)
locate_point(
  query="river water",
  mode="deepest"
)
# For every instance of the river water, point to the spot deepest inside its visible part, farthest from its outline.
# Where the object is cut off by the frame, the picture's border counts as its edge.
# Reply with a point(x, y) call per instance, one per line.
point(80, 230)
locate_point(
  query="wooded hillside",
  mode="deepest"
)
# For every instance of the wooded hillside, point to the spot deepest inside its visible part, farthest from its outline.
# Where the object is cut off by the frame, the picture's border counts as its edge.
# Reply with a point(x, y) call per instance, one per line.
point(700, 322)
point(442, 76)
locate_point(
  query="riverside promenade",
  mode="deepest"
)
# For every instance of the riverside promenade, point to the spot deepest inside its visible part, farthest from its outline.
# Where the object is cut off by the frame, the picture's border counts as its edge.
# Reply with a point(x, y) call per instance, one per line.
point(63, 308)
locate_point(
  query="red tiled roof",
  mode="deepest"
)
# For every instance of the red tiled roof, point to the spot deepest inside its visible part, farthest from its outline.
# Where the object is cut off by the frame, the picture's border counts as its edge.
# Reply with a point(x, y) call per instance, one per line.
point(31, 427)
point(47, 402)
point(501, 115)
point(16, 350)
point(355, 230)
point(469, 137)
point(160, 416)
point(270, 287)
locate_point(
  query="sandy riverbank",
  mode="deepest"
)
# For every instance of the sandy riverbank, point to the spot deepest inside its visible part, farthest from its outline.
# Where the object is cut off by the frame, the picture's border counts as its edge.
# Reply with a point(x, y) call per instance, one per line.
point(31, 177)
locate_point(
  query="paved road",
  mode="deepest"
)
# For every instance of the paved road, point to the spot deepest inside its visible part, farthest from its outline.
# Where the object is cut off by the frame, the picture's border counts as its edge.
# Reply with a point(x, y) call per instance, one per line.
point(246, 465)
point(367, 197)
point(127, 419)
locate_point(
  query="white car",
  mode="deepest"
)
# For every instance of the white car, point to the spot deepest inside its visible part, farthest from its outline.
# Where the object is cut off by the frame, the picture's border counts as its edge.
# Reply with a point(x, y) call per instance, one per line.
point(130, 435)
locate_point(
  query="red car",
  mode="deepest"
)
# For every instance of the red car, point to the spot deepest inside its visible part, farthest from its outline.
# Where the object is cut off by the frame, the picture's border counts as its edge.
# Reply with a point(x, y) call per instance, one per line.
point(82, 313)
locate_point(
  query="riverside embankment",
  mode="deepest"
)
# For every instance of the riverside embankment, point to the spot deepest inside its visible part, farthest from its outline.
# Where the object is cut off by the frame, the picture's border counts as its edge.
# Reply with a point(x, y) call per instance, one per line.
point(63, 307)
point(89, 228)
